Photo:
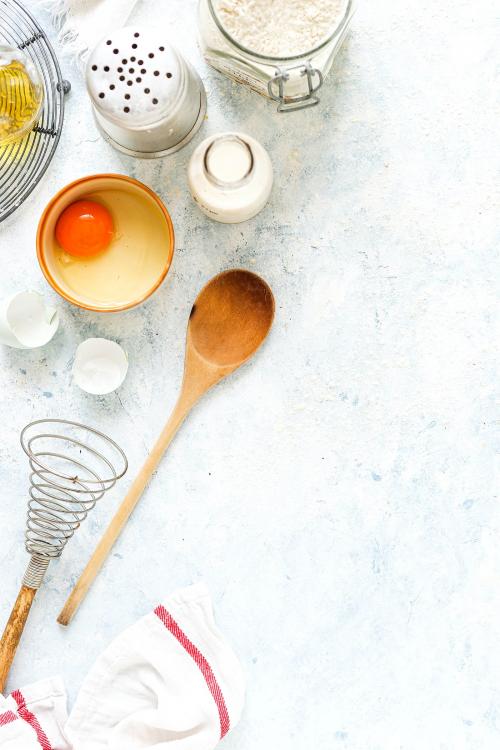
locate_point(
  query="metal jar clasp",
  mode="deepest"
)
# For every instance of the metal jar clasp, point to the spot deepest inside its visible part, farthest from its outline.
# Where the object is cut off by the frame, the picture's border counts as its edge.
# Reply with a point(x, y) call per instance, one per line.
point(276, 88)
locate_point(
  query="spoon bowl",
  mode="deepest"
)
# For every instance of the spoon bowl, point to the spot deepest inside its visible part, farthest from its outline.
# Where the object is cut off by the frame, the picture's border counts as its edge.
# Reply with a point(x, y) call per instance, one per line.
point(231, 317)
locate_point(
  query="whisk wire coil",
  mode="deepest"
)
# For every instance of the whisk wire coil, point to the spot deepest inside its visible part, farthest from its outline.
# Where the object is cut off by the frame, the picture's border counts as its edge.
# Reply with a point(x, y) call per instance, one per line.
point(64, 487)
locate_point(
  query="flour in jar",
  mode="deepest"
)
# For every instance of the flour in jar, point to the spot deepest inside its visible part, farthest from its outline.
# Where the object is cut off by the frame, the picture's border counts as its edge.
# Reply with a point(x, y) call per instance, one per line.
point(280, 28)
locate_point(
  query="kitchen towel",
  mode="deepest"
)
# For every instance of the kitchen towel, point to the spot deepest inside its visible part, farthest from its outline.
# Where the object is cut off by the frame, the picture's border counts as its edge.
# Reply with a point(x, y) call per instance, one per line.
point(82, 23)
point(169, 681)
point(34, 717)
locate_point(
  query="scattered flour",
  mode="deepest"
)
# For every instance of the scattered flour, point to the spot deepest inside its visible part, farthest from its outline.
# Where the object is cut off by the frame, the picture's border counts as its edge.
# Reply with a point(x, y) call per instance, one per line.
point(280, 28)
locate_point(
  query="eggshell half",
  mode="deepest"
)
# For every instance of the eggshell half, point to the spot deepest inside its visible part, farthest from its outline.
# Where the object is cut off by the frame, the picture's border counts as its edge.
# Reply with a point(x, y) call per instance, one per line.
point(26, 321)
point(100, 366)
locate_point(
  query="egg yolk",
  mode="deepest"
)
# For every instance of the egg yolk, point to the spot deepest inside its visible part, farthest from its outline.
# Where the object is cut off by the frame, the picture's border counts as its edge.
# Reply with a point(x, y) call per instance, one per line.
point(84, 228)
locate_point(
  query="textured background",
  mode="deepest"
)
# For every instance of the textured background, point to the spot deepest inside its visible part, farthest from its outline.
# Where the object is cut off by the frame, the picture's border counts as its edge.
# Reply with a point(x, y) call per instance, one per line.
point(338, 495)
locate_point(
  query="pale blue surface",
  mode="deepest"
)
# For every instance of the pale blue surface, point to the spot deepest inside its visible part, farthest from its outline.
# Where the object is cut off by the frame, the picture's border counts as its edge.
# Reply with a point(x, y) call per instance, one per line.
point(339, 495)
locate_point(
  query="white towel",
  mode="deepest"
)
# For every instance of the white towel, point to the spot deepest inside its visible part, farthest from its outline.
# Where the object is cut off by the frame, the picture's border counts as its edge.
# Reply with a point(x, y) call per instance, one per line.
point(34, 717)
point(169, 681)
point(82, 23)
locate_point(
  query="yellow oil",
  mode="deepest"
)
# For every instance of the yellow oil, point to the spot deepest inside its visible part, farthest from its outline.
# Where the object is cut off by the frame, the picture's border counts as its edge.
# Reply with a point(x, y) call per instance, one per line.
point(20, 102)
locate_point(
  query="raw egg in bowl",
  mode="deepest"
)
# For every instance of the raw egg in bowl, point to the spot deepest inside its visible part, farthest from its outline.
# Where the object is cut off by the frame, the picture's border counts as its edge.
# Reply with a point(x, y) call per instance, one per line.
point(105, 242)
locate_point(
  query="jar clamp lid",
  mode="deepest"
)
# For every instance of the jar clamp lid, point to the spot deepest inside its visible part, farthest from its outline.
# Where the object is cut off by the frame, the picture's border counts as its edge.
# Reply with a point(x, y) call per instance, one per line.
point(289, 68)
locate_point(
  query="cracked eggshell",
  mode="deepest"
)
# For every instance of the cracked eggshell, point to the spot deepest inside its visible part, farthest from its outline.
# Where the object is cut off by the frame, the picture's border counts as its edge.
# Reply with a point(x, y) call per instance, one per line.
point(26, 322)
point(100, 366)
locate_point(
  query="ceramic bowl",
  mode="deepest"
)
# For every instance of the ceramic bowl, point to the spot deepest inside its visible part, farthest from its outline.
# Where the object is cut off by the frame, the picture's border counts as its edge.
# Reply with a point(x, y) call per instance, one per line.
point(135, 264)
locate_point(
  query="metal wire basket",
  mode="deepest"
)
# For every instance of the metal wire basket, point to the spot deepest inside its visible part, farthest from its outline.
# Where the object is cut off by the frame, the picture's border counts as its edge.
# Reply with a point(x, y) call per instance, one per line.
point(23, 162)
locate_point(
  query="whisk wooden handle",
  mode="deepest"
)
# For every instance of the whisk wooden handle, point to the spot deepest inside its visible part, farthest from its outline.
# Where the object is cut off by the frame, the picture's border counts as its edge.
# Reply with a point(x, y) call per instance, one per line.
point(13, 631)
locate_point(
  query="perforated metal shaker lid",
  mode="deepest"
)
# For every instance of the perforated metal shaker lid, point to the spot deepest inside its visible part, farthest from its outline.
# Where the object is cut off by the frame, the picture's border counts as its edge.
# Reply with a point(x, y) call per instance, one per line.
point(134, 77)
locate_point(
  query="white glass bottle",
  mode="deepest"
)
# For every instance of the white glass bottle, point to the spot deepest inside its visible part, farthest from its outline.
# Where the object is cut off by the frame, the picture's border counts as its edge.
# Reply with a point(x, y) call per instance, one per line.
point(230, 177)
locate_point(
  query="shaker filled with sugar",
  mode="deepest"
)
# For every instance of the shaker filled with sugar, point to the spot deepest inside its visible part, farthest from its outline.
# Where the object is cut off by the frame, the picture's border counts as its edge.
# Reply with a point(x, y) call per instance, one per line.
point(148, 101)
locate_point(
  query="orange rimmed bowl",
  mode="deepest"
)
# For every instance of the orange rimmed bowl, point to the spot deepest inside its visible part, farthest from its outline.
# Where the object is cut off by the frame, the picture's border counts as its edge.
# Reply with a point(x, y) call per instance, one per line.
point(132, 268)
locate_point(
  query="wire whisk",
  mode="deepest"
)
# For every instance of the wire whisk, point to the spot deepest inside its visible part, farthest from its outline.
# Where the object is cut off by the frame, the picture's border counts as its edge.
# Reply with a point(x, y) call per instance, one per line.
point(65, 486)
point(72, 466)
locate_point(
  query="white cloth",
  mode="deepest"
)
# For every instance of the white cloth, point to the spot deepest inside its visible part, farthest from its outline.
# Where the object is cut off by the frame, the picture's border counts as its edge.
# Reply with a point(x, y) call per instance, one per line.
point(83, 23)
point(34, 717)
point(169, 681)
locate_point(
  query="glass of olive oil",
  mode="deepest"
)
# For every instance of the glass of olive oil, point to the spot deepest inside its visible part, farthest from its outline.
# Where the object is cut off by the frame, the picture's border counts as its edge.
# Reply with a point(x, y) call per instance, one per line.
point(21, 94)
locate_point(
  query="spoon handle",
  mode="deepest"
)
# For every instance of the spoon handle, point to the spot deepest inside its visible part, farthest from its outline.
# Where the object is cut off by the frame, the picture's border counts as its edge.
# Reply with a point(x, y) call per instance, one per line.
point(124, 512)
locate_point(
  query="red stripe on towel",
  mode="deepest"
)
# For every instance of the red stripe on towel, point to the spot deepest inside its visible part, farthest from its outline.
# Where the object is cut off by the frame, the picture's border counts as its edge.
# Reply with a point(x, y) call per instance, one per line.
point(202, 665)
point(7, 718)
point(31, 719)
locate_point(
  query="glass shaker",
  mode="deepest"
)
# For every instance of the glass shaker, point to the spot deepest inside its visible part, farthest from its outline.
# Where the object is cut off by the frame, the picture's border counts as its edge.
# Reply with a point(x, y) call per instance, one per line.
point(148, 101)
point(292, 81)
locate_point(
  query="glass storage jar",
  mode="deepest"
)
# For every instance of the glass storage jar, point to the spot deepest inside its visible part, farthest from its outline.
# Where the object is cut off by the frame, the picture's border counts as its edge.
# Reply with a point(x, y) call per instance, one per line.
point(292, 81)
point(21, 94)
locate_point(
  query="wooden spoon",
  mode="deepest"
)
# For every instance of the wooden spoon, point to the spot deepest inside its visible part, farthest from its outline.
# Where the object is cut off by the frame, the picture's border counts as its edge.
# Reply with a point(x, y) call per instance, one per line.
point(229, 320)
